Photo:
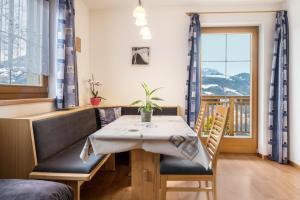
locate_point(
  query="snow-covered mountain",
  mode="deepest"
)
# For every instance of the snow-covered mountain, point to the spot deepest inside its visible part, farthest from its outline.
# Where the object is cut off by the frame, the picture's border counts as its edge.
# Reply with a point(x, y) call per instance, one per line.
point(215, 83)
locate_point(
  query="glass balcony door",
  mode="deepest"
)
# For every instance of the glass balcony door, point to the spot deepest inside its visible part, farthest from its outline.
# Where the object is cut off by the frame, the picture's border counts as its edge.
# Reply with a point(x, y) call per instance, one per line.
point(229, 77)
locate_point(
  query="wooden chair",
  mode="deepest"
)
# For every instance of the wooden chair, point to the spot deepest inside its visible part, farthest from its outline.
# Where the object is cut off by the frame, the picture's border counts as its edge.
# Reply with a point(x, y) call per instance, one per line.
point(184, 168)
point(200, 121)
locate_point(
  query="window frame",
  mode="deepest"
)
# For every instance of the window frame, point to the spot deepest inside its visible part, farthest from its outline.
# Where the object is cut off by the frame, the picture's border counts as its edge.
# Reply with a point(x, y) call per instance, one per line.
point(242, 145)
point(11, 92)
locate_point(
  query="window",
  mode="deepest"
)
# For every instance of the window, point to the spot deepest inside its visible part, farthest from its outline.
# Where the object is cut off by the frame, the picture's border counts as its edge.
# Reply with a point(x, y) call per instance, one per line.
point(226, 63)
point(24, 48)
point(229, 63)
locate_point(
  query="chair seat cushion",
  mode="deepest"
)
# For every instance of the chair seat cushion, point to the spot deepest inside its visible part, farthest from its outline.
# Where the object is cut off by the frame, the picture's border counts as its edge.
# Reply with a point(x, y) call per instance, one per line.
point(68, 161)
point(177, 166)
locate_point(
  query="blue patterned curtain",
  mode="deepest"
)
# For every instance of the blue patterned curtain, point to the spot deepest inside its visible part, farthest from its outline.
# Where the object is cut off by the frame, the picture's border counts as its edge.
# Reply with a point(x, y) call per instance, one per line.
point(66, 82)
point(192, 99)
point(278, 105)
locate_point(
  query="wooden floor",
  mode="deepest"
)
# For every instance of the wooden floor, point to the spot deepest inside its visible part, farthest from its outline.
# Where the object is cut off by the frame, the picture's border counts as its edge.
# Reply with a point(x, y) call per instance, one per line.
point(240, 177)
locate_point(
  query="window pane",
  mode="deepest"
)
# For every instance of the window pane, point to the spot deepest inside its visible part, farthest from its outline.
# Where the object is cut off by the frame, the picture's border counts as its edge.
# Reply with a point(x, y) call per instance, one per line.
point(213, 47)
point(239, 47)
point(213, 77)
point(4, 75)
point(238, 78)
point(21, 30)
point(18, 76)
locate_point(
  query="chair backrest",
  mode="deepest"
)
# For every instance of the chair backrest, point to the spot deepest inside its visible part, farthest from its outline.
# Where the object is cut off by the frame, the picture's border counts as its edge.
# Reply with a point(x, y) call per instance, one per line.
point(199, 123)
point(216, 133)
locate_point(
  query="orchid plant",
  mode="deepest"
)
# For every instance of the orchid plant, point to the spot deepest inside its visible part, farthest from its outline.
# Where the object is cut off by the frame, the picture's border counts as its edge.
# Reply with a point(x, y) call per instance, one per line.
point(93, 87)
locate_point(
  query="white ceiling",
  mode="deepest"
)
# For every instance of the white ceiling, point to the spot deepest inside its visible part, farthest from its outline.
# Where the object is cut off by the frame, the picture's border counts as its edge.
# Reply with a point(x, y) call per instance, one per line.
point(100, 4)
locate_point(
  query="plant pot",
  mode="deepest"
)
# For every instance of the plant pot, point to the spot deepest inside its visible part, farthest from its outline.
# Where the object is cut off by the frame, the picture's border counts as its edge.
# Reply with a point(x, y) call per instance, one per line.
point(146, 116)
point(95, 101)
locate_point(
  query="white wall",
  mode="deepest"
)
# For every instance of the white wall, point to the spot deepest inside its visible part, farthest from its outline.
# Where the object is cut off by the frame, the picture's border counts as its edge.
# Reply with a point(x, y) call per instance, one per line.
point(113, 33)
point(293, 7)
point(82, 25)
point(83, 58)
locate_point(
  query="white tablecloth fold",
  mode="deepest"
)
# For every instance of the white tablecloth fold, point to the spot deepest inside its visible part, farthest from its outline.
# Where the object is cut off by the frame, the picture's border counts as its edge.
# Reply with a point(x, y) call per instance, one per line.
point(169, 135)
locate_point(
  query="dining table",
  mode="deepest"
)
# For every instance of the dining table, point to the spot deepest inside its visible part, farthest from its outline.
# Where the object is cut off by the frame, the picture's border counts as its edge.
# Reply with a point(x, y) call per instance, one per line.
point(168, 135)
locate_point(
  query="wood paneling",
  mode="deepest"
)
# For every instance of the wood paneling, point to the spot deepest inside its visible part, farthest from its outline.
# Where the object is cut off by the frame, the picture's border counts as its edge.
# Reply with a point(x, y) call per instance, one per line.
point(16, 153)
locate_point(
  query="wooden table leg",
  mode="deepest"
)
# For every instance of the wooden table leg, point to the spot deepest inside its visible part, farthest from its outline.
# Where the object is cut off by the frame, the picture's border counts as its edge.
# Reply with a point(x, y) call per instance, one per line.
point(144, 175)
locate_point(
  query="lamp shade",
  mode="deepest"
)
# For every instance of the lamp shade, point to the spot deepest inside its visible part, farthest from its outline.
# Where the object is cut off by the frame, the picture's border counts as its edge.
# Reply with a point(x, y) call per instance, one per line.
point(146, 33)
point(139, 12)
point(147, 37)
point(145, 30)
point(141, 21)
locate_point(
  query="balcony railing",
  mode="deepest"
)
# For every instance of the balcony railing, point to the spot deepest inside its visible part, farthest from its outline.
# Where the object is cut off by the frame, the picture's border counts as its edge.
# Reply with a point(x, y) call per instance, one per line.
point(239, 114)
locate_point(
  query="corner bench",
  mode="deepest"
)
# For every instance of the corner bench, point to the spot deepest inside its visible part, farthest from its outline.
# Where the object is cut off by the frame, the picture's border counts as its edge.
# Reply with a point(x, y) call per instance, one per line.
point(58, 142)
point(47, 146)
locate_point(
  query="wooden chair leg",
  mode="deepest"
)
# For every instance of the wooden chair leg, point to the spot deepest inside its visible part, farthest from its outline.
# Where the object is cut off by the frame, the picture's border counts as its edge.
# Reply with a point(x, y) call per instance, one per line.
point(207, 192)
point(214, 188)
point(163, 188)
point(76, 188)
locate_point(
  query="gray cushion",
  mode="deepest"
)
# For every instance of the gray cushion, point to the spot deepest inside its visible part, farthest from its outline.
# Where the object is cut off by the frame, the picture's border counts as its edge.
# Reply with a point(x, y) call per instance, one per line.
point(14, 189)
point(68, 161)
point(165, 111)
point(177, 166)
point(108, 115)
point(53, 135)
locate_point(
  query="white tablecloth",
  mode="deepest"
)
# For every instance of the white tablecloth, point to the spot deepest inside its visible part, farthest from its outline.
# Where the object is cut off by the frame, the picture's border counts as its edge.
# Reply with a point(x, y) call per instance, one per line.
point(169, 135)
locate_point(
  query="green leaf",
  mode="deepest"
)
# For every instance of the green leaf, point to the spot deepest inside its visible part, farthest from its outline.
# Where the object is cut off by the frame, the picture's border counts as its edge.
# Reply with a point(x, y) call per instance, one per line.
point(157, 106)
point(139, 110)
point(136, 102)
point(154, 90)
point(156, 99)
point(146, 88)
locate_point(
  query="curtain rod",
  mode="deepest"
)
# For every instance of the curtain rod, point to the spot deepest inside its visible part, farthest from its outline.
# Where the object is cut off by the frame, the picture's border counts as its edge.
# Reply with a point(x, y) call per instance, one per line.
point(232, 12)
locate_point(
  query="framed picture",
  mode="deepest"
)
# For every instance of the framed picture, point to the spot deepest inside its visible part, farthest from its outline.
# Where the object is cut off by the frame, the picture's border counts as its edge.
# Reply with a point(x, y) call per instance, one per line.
point(140, 56)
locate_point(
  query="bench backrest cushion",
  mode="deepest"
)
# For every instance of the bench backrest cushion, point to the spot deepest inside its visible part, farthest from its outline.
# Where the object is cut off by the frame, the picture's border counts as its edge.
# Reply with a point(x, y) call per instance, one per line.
point(108, 115)
point(52, 135)
point(165, 111)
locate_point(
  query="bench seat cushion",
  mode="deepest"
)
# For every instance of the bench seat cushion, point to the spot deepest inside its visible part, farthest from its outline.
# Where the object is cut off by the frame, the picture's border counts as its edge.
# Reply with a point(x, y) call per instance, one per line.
point(170, 165)
point(68, 161)
point(15, 189)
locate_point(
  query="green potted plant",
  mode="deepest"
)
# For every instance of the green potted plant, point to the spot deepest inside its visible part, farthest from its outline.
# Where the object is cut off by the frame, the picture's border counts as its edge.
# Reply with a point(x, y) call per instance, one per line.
point(146, 107)
point(95, 99)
